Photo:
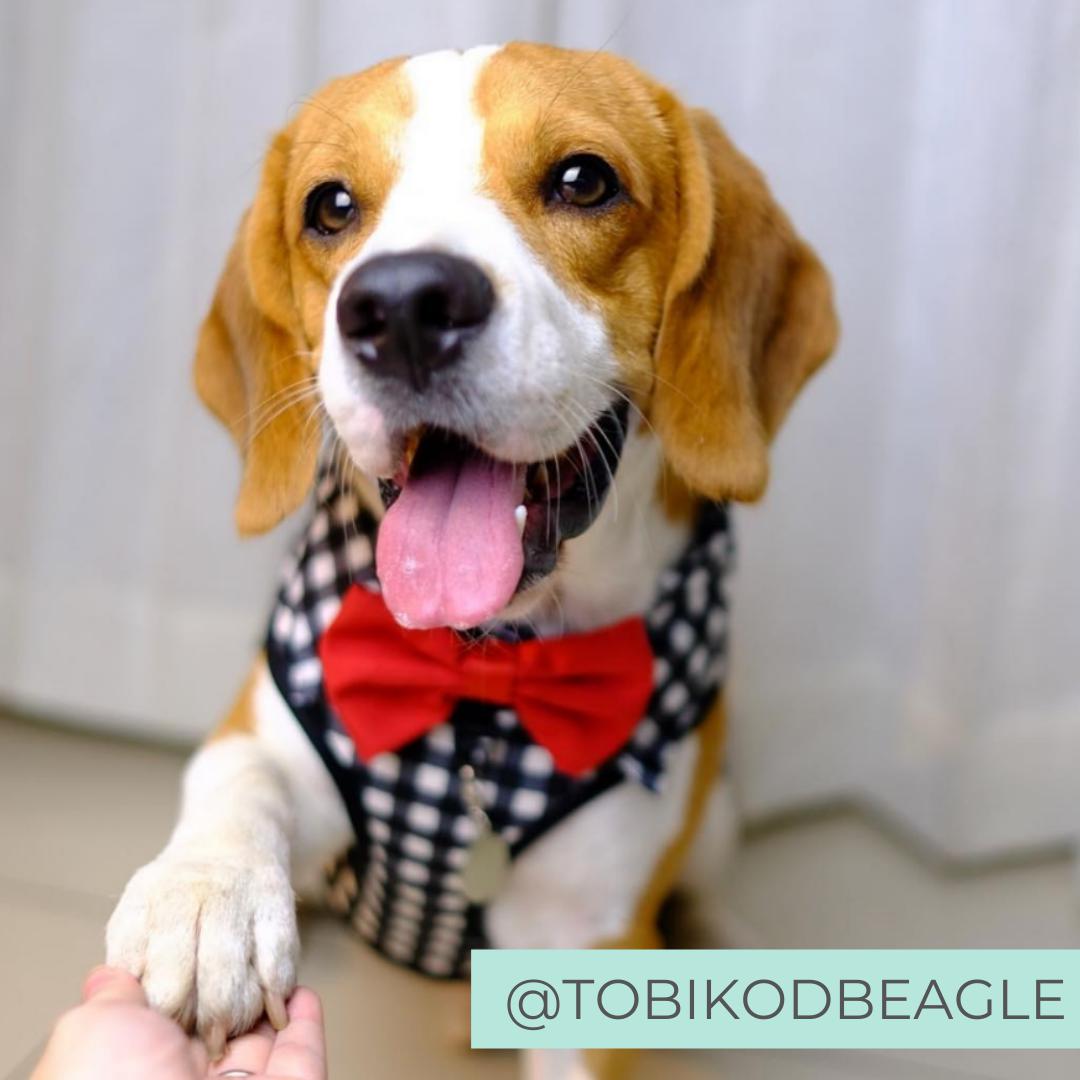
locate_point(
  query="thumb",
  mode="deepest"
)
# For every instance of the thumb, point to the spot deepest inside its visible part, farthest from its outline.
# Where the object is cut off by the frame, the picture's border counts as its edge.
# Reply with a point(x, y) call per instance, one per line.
point(112, 984)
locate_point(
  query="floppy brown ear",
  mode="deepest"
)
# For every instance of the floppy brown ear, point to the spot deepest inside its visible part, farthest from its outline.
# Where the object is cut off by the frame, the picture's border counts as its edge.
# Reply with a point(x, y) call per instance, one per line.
point(748, 317)
point(252, 364)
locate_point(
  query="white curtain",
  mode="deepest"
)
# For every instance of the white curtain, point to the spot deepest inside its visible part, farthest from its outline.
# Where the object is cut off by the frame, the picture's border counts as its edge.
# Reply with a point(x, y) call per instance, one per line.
point(907, 626)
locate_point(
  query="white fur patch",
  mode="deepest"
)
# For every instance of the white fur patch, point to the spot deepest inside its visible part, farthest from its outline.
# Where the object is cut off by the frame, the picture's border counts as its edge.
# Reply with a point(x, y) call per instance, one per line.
point(321, 829)
point(440, 153)
point(610, 571)
point(579, 884)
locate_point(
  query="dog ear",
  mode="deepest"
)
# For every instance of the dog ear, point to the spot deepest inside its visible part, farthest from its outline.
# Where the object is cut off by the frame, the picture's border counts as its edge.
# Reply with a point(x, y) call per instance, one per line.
point(253, 366)
point(748, 317)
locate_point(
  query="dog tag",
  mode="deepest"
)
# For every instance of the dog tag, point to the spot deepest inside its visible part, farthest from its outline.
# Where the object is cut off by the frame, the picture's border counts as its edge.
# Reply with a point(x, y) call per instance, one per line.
point(486, 864)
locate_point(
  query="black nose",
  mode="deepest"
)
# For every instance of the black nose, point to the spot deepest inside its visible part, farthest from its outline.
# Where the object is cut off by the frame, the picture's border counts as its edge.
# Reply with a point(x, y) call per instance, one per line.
point(404, 316)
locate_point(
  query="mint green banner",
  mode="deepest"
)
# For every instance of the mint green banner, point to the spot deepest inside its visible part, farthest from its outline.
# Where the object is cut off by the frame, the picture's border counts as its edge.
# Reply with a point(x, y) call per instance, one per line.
point(777, 998)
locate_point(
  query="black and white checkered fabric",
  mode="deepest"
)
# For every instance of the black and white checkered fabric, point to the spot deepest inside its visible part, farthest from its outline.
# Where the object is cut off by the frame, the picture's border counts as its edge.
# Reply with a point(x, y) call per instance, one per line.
point(401, 882)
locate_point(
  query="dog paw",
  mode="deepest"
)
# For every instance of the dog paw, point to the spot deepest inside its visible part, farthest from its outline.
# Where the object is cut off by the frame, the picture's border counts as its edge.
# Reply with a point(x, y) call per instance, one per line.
point(213, 940)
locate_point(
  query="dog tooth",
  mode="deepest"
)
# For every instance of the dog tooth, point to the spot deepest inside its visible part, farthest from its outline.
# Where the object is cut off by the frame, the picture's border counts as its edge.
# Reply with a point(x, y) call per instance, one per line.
point(519, 518)
point(542, 474)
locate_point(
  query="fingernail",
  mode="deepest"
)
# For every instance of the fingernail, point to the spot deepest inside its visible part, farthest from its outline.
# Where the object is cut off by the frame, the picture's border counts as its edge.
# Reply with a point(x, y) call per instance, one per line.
point(97, 978)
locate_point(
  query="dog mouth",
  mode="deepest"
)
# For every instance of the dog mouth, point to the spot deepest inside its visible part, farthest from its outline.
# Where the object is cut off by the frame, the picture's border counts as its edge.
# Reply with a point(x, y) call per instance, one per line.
point(464, 532)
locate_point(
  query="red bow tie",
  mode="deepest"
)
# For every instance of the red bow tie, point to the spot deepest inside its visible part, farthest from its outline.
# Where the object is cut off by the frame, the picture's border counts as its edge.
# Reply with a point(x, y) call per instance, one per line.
point(580, 696)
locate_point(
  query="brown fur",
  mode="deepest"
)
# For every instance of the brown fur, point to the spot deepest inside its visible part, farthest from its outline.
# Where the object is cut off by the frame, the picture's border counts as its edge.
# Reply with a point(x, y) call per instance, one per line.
point(748, 317)
point(717, 311)
point(241, 718)
point(258, 346)
point(676, 497)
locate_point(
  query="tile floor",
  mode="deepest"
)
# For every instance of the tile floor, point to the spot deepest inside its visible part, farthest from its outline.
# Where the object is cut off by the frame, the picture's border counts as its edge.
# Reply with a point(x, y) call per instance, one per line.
point(78, 814)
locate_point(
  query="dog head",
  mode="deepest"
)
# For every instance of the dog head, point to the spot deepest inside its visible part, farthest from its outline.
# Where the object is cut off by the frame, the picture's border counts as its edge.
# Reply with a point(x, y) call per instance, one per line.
point(483, 266)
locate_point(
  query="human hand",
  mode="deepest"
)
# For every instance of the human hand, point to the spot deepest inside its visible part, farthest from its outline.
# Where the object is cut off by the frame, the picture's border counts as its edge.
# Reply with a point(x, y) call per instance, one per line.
point(115, 1034)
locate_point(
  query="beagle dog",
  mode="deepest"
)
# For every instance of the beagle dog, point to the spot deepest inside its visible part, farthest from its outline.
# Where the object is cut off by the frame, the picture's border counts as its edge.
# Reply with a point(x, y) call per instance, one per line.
point(524, 323)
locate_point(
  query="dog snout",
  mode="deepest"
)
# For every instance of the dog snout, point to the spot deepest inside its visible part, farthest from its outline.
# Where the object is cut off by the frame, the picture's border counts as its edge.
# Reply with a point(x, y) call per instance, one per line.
point(404, 316)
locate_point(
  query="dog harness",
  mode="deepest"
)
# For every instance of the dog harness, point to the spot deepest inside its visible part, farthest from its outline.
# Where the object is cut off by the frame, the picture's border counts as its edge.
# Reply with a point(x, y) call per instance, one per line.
point(418, 810)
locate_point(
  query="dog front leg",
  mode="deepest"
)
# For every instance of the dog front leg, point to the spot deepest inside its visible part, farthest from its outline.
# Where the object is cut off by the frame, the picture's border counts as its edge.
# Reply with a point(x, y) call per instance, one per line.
point(209, 926)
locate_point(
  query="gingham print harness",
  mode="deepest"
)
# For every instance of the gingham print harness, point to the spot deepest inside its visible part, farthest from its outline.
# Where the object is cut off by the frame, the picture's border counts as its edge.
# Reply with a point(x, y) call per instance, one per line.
point(400, 883)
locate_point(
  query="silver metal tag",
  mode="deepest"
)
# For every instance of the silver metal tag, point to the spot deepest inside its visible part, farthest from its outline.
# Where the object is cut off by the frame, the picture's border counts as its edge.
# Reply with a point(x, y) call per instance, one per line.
point(486, 865)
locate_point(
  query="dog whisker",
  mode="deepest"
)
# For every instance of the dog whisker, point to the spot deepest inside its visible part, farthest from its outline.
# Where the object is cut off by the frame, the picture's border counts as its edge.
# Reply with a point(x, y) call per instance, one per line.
point(308, 382)
point(622, 395)
point(594, 435)
point(277, 406)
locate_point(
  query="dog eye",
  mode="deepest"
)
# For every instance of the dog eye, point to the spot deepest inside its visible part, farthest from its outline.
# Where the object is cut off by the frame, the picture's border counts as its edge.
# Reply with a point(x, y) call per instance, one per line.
point(329, 208)
point(584, 180)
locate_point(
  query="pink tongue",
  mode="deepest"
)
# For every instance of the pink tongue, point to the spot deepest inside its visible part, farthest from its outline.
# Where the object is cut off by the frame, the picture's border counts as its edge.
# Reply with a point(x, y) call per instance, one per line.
point(449, 550)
